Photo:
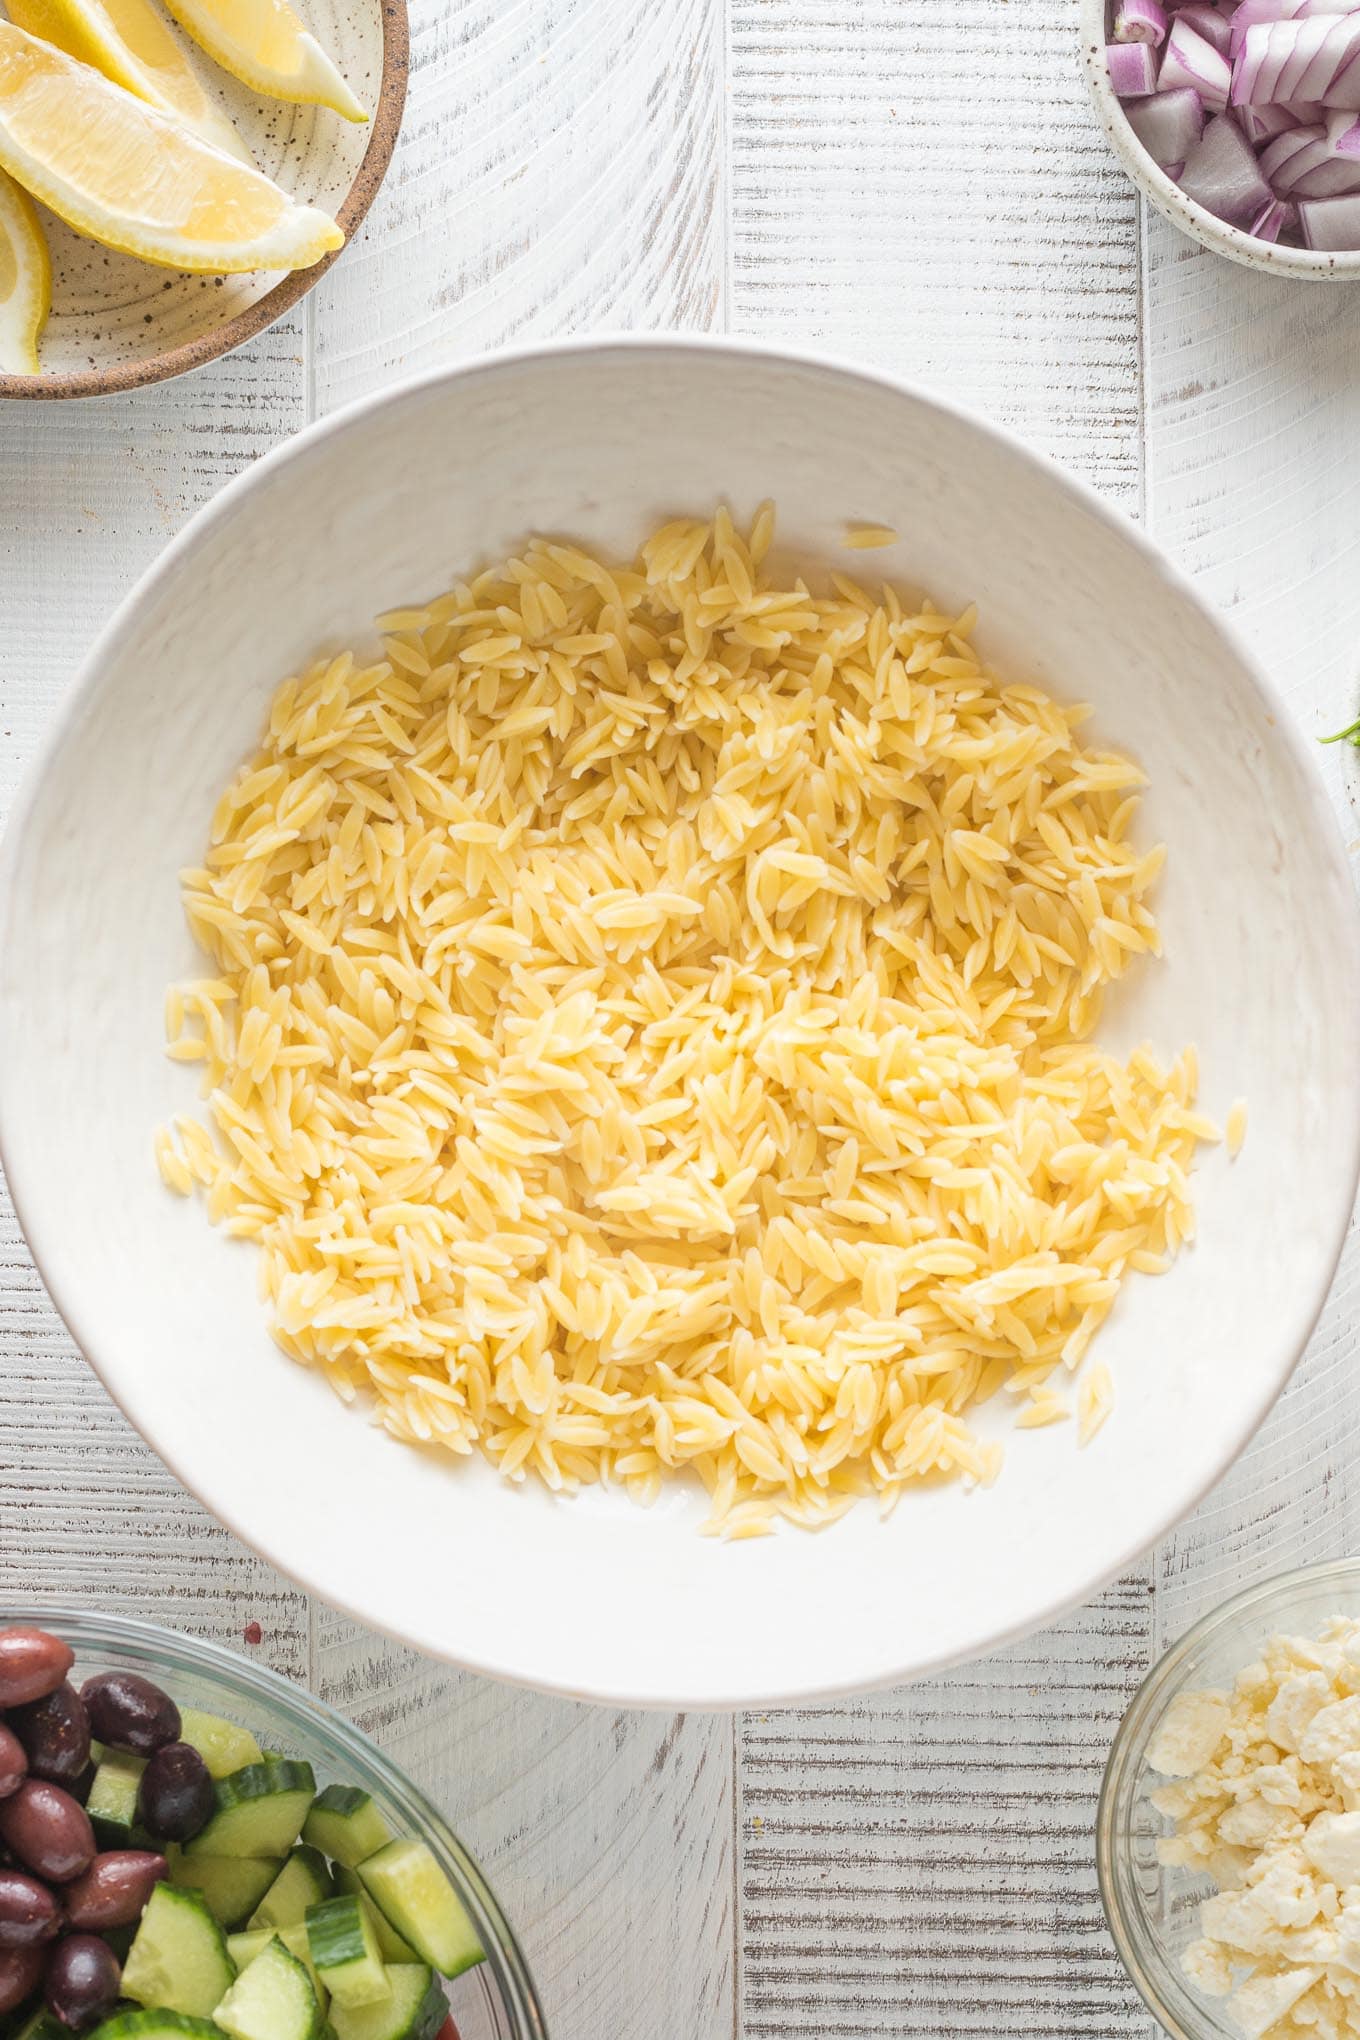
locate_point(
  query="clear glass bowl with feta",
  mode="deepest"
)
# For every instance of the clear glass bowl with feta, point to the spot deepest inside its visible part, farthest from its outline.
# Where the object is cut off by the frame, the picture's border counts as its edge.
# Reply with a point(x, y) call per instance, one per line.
point(1235, 1779)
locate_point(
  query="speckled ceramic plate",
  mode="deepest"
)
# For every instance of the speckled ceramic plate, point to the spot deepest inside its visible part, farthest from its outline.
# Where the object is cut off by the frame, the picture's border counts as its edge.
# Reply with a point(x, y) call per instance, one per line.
point(118, 323)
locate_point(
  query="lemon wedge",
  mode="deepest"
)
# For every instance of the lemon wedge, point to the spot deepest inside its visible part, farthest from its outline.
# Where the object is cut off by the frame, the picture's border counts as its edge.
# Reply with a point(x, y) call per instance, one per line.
point(263, 43)
point(129, 42)
point(25, 281)
point(134, 179)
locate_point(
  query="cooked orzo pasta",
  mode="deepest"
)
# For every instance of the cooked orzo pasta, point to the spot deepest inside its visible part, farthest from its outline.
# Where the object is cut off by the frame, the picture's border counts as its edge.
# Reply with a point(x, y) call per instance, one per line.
point(651, 1030)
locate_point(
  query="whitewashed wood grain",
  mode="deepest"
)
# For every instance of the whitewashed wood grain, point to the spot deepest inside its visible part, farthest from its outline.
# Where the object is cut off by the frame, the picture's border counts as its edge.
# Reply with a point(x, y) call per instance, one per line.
point(919, 187)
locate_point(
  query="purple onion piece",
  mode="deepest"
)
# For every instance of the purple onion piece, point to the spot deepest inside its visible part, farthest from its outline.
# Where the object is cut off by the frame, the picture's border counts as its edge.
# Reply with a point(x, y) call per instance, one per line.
point(1343, 133)
point(1330, 224)
point(1206, 20)
point(1133, 69)
point(1189, 61)
point(1142, 21)
point(1168, 125)
point(1277, 218)
point(1261, 124)
point(1302, 165)
point(1223, 176)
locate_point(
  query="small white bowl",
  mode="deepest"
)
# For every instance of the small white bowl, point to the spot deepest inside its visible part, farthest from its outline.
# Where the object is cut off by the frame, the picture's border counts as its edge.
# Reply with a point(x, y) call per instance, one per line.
point(384, 504)
point(1268, 257)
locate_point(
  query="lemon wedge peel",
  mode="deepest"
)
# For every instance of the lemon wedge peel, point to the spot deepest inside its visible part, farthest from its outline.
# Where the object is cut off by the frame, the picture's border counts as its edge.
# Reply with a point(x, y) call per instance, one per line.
point(263, 43)
point(130, 42)
point(133, 179)
point(25, 281)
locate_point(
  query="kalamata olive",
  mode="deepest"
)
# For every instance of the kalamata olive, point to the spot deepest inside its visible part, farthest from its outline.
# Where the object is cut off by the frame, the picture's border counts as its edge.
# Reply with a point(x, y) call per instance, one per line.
point(31, 1664)
point(175, 1798)
point(81, 1985)
point(128, 1713)
point(20, 1974)
point(47, 1830)
point(28, 1911)
point(114, 1890)
point(13, 1762)
point(55, 1732)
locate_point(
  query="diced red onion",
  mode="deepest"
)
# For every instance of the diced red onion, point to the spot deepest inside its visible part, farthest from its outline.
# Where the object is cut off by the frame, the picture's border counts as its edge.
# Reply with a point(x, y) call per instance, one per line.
point(1140, 21)
point(1301, 165)
point(1330, 224)
point(1222, 175)
point(1277, 217)
point(1261, 124)
point(1189, 61)
point(1133, 69)
point(1343, 134)
point(1251, 12)
point(1206, 20)
point(1168, 125)
point(1310, 58)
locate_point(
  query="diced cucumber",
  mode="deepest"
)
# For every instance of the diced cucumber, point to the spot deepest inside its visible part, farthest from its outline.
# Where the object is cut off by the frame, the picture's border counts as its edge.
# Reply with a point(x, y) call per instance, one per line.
point(157, 2024)
point(345, 1824)
point(178, 1961)
point(405, 1882)
point(112, 1804)
point(303, 1881)
point(390, 1944)
point(243, 1948)
point(345, 1951)
point(232, 1885)
point(260, 1810)
point(223, 1746)
point(415, 2009)
point(271, 2000)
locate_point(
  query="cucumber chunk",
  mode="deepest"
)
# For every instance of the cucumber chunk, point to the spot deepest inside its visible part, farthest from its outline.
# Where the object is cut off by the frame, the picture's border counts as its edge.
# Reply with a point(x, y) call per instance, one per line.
point(271, 2000)
point(178, 1961)
point(243, 1948)
point(415, 2009)
point(223, 1746)
point(345, 1825)
point(157, 2024)
point(112, 1804)
point(390, 1944)
point(345, 1951)
point(41, 2025)
point(260, 1810)
point(405, 1882)
point(232, 1885)
point(303, 1881)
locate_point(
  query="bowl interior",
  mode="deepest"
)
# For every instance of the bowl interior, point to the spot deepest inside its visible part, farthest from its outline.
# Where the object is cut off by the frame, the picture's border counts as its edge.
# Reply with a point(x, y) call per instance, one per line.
point(117, 322)
point(594, 1596)
point(492, 2001)
point(1154, 1911)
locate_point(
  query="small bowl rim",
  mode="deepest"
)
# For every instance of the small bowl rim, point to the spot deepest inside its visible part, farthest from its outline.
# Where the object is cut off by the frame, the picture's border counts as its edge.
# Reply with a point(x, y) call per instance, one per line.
point(1157, 1685)
point(230, 500)
point(182, 1653)
point(1267, 258)
point(384, 128)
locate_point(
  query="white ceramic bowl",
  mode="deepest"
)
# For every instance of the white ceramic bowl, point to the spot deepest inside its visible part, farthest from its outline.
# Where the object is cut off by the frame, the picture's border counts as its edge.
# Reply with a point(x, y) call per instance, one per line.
point(1168, 197)
point(382, 505)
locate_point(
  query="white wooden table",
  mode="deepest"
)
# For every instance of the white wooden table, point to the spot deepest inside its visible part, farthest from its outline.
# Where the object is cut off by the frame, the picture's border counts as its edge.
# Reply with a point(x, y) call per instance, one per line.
point(915, 183)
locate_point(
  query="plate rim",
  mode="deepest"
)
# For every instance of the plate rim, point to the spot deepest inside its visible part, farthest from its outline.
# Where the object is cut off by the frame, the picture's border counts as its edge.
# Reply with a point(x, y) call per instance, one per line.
point(384, 128)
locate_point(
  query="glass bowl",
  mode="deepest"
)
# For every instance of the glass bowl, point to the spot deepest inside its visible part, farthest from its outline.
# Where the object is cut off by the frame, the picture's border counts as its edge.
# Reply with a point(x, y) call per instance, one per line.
point(1153, 1911)
point(493, 2001)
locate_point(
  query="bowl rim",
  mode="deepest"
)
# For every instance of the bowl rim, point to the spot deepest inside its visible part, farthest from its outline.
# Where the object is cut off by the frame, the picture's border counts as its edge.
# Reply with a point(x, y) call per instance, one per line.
point(1267, 258)
point(44, 1240)
point(384, 128)
point(1159, 1684)
point(184, 1653)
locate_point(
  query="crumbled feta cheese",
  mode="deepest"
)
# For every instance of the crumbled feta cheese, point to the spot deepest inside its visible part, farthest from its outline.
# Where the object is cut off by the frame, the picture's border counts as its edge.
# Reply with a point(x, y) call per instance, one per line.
point(1267, 1803)
point(1263, 2001)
